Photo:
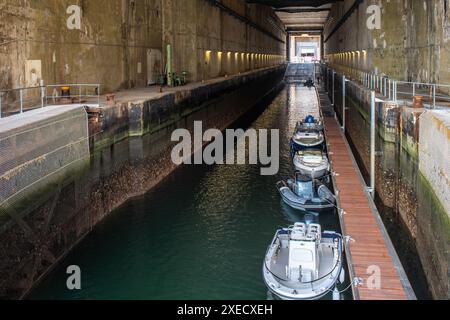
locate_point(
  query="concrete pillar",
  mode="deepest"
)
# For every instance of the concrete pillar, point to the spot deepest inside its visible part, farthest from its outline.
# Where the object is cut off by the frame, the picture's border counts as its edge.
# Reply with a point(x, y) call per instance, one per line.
point(126, 52)
point(179, 19)
point(167, 28)
point(293, 48)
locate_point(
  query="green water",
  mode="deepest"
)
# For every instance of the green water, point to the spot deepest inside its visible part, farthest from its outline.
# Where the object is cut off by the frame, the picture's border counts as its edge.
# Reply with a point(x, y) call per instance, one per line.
point(201, 234)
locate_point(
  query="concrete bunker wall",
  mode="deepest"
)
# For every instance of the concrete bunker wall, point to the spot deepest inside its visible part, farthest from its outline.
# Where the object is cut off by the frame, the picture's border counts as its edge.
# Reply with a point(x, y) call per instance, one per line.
point(131, 151)
point(122, 43)
point(412, 43)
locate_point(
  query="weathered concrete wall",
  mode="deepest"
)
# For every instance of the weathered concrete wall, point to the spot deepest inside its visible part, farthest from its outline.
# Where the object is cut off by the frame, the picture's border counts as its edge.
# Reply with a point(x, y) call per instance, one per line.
point(121, 43)
point(209, 42)
point(37, 147)
point(434, 153)
point(412, 43)
point(113, 36)
point(131, 153)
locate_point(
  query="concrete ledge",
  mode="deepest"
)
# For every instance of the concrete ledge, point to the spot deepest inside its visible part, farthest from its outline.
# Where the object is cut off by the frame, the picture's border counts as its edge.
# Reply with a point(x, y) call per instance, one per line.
point(37, 145)
point(138, 112)
point(434, 153)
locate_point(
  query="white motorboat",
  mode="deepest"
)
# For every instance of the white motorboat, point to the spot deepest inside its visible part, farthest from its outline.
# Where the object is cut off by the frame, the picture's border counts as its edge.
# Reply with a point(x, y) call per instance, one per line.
point(310, 123)
point(307, 139)
point(311, 162)
point(302, 263)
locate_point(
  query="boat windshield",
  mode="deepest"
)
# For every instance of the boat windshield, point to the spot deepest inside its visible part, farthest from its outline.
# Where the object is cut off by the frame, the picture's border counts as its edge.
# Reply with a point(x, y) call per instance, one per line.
point(311, 153)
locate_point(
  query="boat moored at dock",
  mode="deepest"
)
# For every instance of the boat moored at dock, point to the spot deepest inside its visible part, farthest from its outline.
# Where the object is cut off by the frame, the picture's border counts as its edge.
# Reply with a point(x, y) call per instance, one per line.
point(310, 123)
point(308, 134)
point(307, 139)
point(306, 194)
point(302, 263)
point(312, 162)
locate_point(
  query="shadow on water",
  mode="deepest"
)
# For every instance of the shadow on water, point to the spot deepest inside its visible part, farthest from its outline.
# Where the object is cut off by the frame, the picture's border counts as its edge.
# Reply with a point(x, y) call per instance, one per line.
point(201, 234)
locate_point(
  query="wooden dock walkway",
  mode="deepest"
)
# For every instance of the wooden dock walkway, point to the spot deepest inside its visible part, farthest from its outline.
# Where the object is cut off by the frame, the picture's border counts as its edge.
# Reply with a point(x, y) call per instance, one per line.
point(370, 249)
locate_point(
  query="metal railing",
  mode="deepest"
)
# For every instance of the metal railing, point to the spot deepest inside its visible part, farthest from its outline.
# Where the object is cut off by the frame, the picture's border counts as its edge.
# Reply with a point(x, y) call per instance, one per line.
point(18, 101)
point(338, 98)
point(337, 85)
point(434, 95)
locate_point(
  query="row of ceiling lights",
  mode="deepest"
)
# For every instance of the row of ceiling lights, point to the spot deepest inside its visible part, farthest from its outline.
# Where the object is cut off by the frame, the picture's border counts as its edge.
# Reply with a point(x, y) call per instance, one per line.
point(348, 54)
point(243, 54)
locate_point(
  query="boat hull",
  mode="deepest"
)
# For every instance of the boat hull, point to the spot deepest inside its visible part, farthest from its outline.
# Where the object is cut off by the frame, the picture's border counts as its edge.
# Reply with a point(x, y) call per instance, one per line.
point(299, 145)
point(280, 296)
point(295, 202)
point(284, 298)
point(287, 290)
point(313, 172)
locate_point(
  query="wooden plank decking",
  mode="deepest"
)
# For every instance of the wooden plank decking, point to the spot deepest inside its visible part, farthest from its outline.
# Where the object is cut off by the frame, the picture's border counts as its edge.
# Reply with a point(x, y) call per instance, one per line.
point(369, 247)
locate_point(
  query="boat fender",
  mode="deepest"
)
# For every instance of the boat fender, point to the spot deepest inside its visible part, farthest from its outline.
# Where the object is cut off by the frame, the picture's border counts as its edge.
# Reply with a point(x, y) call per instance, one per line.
point(342, 276)
point(290, 183)
point(325, 193)
point(336, 294)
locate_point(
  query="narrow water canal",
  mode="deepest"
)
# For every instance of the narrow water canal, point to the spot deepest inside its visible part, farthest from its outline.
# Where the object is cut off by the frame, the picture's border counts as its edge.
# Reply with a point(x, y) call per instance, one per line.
point(201, 234)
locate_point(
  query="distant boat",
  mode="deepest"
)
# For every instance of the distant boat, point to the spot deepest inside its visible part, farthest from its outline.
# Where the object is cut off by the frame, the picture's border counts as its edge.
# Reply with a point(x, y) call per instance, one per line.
point(308, 134)
point(302, 263)
point(311, 162)
point(310, 123)
point(306, 194)
point(307, 139)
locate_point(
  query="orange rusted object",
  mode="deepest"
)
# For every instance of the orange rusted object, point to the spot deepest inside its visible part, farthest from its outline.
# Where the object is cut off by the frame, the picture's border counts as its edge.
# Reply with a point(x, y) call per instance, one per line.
point(65, 91)
point(418, 102)
point(111, 99)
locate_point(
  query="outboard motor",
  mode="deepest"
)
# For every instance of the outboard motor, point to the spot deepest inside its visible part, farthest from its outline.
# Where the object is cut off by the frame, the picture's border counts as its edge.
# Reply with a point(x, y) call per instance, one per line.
point(336, 294)
point(309, 83)
point(303, 187)
point(310, 119)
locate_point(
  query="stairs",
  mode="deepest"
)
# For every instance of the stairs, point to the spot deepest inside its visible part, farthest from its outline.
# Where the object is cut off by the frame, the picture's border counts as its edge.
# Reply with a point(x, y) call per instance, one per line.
point(300, 72)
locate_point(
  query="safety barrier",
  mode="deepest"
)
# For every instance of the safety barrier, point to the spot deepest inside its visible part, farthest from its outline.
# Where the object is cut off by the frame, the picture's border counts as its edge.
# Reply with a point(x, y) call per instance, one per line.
point(434, 95)
point(21, 100)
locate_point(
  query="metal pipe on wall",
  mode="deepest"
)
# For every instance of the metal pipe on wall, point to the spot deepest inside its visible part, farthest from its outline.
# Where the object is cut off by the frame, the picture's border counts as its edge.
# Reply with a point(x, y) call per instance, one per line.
point(344, 81)
point(372, 143)
point(333, 73)
point(169, 66)
point(21, 100)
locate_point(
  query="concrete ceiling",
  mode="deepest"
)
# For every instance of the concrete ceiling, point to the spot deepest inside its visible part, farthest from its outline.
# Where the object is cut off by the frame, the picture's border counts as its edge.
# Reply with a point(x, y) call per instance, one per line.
point(300, 15)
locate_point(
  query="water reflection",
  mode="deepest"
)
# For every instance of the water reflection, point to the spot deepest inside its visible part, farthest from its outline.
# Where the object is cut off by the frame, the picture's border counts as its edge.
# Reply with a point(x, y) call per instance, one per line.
point(201, 234)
